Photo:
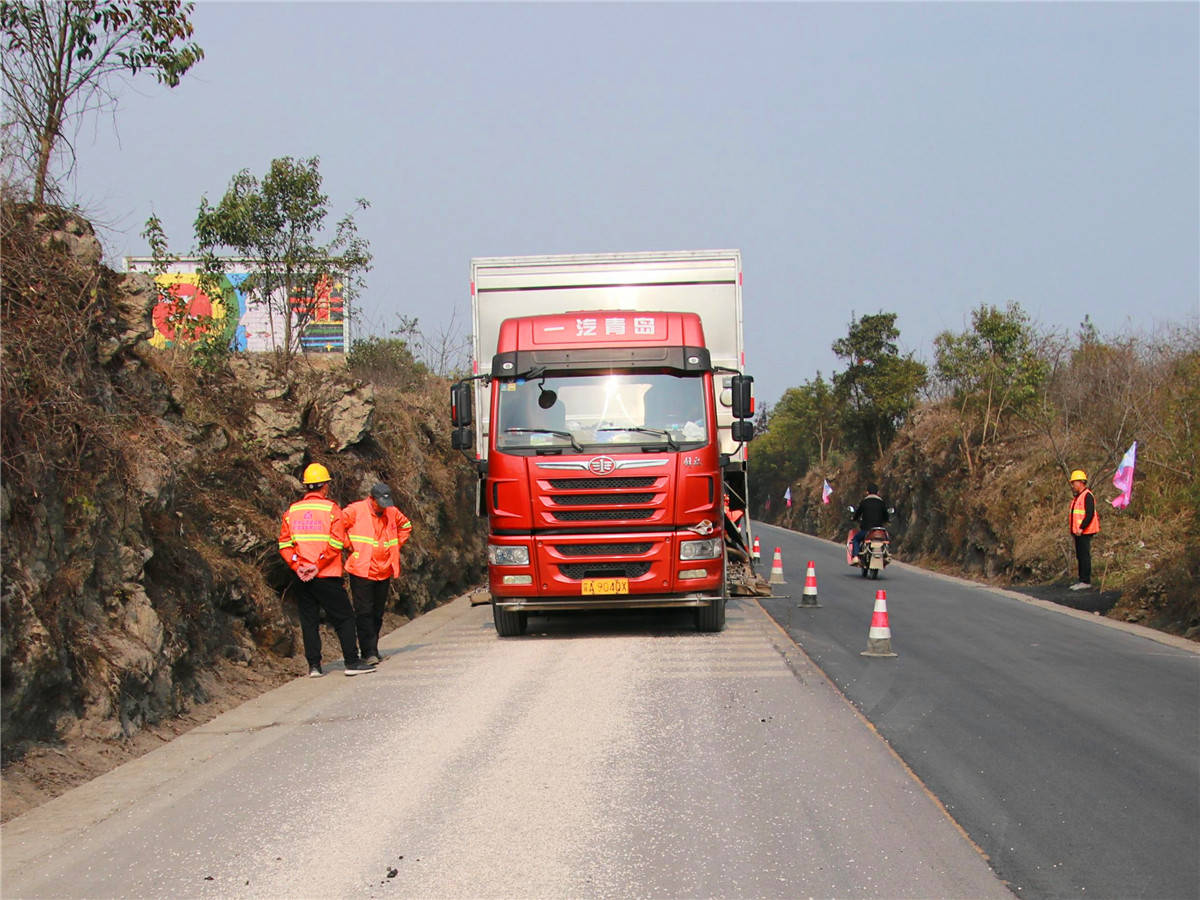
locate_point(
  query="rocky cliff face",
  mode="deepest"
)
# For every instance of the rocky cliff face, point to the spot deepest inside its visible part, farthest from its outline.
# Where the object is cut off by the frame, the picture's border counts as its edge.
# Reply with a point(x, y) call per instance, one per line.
point(141, 498)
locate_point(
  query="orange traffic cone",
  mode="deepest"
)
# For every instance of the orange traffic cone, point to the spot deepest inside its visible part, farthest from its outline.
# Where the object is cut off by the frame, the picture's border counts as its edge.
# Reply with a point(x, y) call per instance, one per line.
point(879, 640)
point(809, 597)
point(777, 568)
point(755, 552)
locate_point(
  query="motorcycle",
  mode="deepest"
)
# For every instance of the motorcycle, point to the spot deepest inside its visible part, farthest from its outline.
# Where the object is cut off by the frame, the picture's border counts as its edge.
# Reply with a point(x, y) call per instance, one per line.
point(875, 553)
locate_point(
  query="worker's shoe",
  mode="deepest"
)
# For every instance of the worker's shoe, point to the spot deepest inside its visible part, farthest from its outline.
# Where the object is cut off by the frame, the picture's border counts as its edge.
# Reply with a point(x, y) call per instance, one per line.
point(1080, 586)
point(359, 668)
point(372, 660)
point(315, 672)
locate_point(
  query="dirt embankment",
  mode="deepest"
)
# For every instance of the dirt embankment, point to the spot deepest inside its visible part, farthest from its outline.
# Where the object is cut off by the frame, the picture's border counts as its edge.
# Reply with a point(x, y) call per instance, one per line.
point(140, 501)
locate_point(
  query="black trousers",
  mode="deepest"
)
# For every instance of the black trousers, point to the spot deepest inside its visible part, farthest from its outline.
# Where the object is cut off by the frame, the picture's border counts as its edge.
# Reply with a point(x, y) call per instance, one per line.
point(1083, 553)
point(370, 600)
point(330, 595)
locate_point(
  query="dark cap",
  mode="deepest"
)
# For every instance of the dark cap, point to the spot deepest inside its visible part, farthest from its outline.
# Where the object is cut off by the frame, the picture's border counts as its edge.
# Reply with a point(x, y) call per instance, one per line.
point(382, 494)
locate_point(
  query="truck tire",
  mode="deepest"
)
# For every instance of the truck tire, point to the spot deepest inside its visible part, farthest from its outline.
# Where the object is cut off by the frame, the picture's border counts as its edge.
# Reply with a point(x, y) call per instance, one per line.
point(711, 617)
point(509, 623)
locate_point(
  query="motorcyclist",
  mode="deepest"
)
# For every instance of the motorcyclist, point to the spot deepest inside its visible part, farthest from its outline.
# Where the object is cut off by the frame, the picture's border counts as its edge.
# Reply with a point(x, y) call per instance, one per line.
point(872, 512)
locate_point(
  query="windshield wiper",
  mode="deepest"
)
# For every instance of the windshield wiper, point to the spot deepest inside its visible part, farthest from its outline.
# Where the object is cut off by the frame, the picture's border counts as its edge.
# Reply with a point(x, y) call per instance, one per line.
point(565, 434)
point(656, 431)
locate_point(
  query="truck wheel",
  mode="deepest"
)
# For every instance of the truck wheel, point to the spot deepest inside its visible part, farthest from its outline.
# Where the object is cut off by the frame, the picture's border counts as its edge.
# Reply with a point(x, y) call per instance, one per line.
point(711, 617)
point(509, 623)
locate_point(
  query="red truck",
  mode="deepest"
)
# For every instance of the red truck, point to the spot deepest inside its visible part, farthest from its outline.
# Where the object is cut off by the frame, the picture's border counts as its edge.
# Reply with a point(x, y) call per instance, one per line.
point(611, 430)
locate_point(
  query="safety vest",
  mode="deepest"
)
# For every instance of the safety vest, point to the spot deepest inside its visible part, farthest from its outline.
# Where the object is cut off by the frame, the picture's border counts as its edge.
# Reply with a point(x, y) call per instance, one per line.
point(374, 541)
point(1079, 510)
point(312, 531)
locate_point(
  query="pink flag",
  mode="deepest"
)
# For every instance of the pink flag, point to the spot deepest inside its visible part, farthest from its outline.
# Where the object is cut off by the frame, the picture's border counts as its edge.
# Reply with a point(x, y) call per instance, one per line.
point(787, 495)
point(1123, 480)
point(826, 492)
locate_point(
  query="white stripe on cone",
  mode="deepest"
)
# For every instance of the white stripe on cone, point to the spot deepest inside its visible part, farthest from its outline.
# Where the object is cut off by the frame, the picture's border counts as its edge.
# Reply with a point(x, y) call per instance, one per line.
point(809, 597)
point(879, 639)
point(777, 568)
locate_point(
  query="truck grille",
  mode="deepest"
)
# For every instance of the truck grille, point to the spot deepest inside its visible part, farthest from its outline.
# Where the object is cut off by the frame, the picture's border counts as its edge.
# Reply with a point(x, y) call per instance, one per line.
point(602, 549)
point(599, 499)
point(600, 515)
point(604, 569)
point(601, 484)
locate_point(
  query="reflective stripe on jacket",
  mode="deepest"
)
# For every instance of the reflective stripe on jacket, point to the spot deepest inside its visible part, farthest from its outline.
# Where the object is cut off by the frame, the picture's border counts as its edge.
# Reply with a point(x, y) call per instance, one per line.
point(374, 541)
point(312, 531)
point(1079, 513)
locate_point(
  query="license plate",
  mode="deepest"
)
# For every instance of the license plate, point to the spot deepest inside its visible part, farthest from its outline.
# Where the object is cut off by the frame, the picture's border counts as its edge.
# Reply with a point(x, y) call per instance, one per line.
point(606, 585)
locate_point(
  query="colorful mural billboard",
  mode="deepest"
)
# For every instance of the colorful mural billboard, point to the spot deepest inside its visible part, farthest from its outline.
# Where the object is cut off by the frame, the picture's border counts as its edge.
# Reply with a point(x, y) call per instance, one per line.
point(242, 316)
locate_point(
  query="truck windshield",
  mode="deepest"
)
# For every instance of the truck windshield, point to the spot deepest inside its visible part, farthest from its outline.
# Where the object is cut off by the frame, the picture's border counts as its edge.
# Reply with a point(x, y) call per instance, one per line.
point(632, 408)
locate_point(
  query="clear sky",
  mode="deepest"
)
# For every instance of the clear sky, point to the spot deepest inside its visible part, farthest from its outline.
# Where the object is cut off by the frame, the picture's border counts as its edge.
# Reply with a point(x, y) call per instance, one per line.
point(911, 158)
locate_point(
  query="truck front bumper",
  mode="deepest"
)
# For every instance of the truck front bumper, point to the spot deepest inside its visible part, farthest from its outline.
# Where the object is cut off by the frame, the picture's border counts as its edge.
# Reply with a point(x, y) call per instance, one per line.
point(613, 601)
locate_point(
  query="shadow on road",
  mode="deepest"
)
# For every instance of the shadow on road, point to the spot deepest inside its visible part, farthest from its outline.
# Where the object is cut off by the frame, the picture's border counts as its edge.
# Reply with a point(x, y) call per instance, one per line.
point(1091, 600)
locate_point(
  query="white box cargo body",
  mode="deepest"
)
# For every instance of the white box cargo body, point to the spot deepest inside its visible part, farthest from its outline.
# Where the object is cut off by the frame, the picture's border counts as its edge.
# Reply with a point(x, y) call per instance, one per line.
point(706, 282)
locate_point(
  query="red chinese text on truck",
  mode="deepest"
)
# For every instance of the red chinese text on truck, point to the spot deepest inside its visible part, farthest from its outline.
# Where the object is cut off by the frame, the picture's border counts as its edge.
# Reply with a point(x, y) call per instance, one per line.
point(610, 432)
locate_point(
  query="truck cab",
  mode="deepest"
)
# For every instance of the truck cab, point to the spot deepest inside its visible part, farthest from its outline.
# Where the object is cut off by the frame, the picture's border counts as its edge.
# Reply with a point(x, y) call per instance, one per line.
point(602, 468)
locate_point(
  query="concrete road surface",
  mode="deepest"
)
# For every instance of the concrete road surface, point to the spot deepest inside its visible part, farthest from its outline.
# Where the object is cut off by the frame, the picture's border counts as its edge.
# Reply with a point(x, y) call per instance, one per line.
point(618, 755)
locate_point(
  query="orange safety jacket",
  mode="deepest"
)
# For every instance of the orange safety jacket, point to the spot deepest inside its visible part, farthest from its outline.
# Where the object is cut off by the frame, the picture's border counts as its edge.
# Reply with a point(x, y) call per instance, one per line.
point(1079, 511)
point(312, 531)
point(374, 541)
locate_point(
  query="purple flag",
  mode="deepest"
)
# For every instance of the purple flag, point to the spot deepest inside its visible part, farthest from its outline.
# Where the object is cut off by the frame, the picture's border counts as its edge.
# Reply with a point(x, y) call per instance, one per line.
point(1123, 480)
point(826, 492)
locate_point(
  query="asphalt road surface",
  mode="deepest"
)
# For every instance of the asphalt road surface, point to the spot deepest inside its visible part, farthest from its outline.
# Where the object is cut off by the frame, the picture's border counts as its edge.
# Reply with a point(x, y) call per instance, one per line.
point(620, 755)
point(1067, 746)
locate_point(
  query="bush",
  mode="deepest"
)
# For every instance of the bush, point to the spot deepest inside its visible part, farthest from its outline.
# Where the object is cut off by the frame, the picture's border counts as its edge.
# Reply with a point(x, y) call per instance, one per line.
point(387, 362)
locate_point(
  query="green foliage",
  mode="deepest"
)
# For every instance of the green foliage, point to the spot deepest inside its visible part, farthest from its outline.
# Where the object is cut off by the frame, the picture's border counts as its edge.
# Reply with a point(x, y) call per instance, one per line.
point(992, 371)
point(385, 362)
point(879, 387)
point(275, 225)
point(59, 59)
point(802, 431)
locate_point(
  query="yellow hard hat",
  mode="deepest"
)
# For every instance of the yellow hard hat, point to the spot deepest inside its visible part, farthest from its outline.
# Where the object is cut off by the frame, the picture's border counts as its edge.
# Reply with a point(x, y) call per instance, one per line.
point(1078, 475)
point(315, 474)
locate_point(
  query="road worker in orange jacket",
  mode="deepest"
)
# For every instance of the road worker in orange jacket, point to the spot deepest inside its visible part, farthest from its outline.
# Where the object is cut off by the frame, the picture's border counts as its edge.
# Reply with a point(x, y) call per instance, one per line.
point(311, 539)
point(375, 532)
point(1083, 522)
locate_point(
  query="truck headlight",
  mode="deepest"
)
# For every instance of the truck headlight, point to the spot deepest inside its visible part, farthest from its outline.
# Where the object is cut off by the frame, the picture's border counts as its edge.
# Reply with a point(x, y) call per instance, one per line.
point(506, 555)
point(709, 549)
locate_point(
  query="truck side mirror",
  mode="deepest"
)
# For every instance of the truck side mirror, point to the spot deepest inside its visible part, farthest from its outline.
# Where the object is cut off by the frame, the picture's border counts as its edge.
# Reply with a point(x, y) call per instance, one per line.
point(742, 431)
point(462, 396)
point(743, 397)
point(462, 438)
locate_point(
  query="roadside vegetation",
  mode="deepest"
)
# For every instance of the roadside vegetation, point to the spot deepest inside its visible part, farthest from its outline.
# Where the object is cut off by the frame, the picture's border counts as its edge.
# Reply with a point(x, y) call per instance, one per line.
point(974, 452)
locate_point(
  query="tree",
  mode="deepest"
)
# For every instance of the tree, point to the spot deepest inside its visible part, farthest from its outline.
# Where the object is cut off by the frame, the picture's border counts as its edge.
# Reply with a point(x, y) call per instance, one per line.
point(274, 226)
point(991, 371)
point(60, 57)
point(879, 386)
point(801, 430)
point(202, 338)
